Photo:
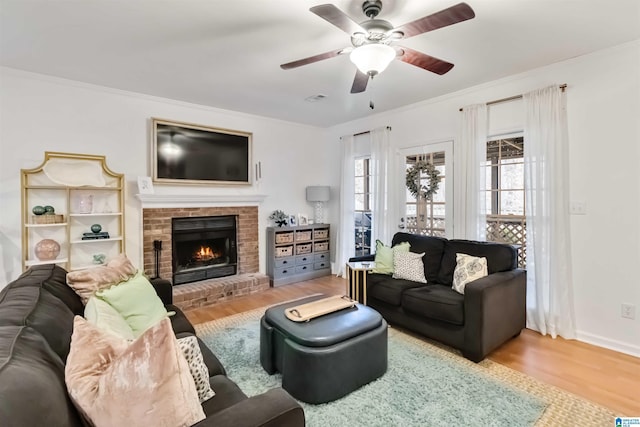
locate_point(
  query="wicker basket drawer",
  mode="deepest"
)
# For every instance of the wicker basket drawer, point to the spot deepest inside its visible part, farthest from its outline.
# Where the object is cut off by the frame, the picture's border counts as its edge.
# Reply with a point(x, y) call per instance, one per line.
point(303, 235)
point(321, 246)
point(284, 237)
point(303, 249)
point(283, 251)
point(322, 233)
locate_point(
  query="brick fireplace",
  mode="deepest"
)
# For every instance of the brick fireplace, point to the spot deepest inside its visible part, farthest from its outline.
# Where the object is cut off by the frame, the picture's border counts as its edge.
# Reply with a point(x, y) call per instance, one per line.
point(157, 225)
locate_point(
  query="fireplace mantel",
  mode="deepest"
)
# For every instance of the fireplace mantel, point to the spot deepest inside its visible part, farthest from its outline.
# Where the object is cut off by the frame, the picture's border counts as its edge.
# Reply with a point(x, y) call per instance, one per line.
point(199, 200)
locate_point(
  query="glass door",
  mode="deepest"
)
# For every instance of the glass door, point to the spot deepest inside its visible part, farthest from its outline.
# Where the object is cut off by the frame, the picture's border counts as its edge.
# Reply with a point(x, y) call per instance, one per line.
point(428, 189)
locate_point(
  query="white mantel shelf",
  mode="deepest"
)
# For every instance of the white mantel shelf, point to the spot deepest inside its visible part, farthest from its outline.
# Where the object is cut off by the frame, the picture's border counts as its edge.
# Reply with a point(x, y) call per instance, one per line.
point(199, 200)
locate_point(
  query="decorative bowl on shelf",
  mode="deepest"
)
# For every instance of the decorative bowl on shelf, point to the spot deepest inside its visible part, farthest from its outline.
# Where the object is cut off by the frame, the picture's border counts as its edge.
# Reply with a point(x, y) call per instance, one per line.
point(47, 250)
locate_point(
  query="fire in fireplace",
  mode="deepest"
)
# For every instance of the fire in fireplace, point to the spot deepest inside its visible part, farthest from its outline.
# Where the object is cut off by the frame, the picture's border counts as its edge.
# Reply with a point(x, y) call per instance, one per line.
point(203, 248)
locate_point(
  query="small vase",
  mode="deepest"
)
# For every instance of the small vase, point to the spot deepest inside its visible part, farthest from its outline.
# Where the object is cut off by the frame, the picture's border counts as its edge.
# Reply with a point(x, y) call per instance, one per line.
point(85, 204)
point(47, 250)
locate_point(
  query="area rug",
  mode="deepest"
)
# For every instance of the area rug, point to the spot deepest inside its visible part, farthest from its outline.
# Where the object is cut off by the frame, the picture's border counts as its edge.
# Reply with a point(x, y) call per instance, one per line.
point(425, 384)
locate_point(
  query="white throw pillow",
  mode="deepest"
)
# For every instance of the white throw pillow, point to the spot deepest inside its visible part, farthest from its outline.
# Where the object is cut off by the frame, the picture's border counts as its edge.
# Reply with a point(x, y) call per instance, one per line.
point(107, 318)
point(409, 266)
point(199, 371)
point(468, 269)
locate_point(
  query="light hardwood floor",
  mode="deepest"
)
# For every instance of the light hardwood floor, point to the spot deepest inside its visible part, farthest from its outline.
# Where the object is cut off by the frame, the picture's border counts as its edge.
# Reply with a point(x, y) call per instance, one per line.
point(606, 377)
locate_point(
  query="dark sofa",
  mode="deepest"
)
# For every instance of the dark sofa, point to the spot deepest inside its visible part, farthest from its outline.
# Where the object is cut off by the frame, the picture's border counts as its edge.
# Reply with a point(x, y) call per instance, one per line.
point(491, 311)
point(36, 322)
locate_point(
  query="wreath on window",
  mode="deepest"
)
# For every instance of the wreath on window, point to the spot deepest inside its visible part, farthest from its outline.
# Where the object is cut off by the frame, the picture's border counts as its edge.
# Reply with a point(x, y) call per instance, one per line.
point(412, 181)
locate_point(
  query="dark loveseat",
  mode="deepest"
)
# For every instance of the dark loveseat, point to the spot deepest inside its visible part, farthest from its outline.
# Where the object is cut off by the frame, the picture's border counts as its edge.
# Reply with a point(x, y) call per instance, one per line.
point(491, 311)
point(36, 322)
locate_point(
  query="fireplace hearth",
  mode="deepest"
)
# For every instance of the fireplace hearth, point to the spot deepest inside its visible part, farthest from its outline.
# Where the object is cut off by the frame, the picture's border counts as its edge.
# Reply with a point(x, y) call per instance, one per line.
point(203, 248)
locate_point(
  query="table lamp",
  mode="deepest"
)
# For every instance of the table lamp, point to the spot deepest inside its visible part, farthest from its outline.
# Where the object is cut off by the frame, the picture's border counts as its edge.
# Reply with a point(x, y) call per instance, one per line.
point(318, 195)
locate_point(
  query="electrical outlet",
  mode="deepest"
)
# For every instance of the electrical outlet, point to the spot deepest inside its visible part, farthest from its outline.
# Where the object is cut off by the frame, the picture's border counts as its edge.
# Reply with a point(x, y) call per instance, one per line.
point(578, 207)
point(628, 311)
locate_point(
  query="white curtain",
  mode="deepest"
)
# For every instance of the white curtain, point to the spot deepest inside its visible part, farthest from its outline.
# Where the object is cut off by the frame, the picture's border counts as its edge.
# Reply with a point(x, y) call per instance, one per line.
point(345, 242)
point(549, 278)
point(384, 209)
point(470, 155)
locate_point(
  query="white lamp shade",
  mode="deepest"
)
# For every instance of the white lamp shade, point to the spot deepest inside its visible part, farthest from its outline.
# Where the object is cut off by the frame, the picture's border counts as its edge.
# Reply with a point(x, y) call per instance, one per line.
point(372, 58)
point(319, 193)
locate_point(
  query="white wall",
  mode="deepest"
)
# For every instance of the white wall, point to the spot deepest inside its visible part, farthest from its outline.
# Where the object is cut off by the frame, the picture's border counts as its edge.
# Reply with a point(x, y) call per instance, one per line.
point(603, 98)
point(40, 113)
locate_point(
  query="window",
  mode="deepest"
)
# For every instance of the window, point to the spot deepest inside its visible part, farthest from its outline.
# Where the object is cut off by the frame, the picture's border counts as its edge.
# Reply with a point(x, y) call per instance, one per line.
point(505, 199)
point(363, 205)
point(427, 217)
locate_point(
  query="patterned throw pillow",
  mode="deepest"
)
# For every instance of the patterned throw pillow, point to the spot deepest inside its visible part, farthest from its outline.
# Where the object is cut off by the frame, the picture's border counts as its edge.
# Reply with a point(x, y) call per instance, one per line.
point(385, 256)
point(409, 266)
point(199, 372)
point(468, 269)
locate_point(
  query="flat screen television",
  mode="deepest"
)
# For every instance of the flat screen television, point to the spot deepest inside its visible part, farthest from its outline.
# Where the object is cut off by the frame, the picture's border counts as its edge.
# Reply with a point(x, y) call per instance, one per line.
point(185, 153)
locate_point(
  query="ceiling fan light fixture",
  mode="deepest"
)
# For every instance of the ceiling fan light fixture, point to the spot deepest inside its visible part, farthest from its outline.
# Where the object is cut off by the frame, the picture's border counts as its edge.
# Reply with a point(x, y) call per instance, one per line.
point(372, 59)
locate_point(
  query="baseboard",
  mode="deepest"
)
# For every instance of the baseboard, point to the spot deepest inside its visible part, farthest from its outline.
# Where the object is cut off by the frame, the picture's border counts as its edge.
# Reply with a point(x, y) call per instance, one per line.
point(619, 346)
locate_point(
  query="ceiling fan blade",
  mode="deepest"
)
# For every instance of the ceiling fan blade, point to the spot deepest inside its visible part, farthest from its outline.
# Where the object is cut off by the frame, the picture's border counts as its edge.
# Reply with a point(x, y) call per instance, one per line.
point(360, 82)
point(424, 61)
point(452, 15)
point(311, 59)
point(335, 16)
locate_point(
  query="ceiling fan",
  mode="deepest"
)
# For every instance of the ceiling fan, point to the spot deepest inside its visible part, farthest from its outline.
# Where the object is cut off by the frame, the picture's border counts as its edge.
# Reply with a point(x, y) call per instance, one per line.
point(372, 51)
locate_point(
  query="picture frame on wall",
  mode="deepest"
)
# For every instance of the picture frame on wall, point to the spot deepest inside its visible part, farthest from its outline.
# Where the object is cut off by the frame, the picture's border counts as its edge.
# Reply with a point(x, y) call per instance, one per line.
point(145, 185)
point(303, 219)
point(187, 153)
point(292, 221)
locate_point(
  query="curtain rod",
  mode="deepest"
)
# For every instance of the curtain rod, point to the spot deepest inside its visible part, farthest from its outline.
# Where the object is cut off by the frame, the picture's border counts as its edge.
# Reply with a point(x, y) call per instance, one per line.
point(512, 98)
point(368, 131)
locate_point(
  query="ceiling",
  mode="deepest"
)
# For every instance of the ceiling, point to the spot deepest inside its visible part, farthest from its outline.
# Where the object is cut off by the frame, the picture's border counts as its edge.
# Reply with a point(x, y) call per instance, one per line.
point(226, 54)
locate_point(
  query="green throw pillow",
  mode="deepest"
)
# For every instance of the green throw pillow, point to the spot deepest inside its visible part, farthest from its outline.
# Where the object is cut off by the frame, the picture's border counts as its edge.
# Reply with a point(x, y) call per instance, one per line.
point(107, 318)
point(384, 256)
point(137, 301)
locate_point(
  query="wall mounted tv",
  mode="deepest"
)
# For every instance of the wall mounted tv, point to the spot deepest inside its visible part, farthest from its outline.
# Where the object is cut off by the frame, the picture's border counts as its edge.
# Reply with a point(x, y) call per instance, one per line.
point(184, 153)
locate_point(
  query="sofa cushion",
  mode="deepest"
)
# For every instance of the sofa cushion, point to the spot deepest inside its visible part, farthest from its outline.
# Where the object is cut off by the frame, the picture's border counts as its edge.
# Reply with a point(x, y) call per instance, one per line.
point(137, 301)
point(210, 359)
point(386, 254)
point(435, 302)
point(52, 278)
point(388, 290)
point(191, 350)
point(227, 395)
point(102, 315)
point(32, 388)
point(433, 248)
point(137, 384)
point(500, 257)
point(468, 269)
point(35, 307)
point(409, 266)
point(89, 281)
